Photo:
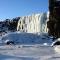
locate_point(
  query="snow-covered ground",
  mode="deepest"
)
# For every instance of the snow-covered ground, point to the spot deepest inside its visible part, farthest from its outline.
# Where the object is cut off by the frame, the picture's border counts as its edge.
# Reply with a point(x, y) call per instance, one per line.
point(16, 52)
point(30, 47)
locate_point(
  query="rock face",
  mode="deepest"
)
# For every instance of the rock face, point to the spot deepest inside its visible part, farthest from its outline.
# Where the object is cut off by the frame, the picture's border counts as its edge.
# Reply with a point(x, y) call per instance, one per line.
point(35, 23)
point(54, 18)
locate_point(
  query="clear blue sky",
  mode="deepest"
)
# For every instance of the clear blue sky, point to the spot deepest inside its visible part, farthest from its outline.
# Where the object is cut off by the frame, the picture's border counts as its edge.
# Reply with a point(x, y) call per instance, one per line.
point(15, 8)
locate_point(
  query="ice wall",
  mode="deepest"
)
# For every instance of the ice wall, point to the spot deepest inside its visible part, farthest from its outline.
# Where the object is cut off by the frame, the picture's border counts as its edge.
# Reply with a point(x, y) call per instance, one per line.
point(35, 23)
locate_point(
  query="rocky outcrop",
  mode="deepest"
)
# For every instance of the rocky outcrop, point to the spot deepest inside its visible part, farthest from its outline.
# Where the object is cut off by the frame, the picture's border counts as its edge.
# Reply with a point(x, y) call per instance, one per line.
point(54, 18)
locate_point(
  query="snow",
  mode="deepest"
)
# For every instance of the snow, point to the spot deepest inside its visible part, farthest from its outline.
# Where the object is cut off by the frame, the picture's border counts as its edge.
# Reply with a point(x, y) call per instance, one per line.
point(57, 49)
point(30, 47)
point(14, 52)
point(57, 40)
point(27, 38)
point(45, 44)
point(6, 41)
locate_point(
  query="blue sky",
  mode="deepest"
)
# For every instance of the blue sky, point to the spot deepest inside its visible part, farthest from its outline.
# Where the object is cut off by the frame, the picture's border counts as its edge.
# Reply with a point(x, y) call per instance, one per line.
point(15, 8)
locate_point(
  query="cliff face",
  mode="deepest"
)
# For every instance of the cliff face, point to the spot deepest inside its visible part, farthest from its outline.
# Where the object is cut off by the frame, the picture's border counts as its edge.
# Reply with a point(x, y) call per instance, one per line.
point(54, 18)
point(35, 23)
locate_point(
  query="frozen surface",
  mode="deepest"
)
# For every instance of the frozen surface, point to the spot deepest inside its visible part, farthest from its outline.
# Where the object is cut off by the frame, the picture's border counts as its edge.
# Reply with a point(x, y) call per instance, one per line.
point(30, 47)
point(16, 52)
point(27, 38)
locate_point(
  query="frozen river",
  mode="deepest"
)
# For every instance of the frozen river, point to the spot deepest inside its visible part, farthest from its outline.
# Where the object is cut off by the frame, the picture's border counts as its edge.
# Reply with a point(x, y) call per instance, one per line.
point(33, 52)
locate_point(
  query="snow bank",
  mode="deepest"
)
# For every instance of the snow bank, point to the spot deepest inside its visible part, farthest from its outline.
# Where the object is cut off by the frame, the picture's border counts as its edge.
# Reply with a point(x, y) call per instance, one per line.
point(57, 49)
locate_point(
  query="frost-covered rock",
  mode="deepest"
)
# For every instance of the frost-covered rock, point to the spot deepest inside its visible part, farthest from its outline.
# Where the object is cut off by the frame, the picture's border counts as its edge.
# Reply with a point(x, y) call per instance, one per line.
point(9, 42)
point(56, 45)
point(56, 42)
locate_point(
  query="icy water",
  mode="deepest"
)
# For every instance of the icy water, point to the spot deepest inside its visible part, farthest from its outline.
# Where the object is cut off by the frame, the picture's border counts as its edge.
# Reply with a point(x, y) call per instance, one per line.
point(34, 52)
